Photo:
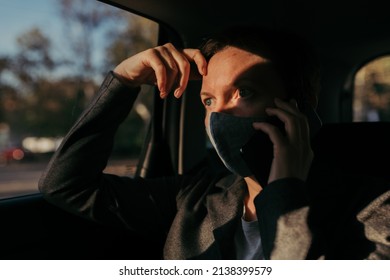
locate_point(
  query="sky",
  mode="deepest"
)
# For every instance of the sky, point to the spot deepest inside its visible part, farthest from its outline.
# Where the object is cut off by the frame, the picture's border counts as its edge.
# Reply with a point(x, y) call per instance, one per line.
point(18, 16)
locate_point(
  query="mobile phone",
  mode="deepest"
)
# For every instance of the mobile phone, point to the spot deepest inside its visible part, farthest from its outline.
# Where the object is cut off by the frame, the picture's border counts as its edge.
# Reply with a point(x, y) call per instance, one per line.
point(258, 151)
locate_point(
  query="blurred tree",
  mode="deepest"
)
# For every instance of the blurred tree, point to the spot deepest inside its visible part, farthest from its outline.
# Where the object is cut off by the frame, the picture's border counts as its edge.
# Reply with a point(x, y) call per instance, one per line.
point(39, 104)
point(33, 59)
point(137, 35)
point(4, 62)
point(31, 65)
point(44, 100)
point(82, 19)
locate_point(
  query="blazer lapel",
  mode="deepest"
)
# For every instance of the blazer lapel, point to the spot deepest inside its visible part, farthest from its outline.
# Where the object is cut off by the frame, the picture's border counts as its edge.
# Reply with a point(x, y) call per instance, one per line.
point(205, 228)
point(225, 208)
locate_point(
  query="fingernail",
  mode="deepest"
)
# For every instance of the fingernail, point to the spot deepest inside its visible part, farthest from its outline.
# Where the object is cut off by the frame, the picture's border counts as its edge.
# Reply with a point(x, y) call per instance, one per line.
point(177, 93)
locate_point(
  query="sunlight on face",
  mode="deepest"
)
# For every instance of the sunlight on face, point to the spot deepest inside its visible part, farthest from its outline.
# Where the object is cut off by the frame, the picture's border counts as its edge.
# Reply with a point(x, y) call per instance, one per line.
point(240, 83)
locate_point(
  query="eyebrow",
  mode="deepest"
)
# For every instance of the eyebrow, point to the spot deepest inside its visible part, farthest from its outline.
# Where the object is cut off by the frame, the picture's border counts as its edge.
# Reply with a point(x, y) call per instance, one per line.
point(206, 94)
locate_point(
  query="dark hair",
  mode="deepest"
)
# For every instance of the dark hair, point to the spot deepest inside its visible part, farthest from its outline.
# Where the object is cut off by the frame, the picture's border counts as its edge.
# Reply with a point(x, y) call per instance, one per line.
point(293, 57)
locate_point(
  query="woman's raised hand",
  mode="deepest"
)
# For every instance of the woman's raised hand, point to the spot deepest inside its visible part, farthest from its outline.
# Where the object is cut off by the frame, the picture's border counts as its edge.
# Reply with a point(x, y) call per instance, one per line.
point(164, 66)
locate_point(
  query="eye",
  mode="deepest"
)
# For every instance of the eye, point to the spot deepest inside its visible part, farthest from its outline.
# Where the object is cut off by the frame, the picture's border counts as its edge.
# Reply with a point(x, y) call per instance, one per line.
point(207, 102)
point(245, 93)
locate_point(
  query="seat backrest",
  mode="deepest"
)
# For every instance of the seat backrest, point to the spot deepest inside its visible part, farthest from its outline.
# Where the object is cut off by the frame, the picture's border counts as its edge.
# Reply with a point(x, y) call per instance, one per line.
point(355, 148)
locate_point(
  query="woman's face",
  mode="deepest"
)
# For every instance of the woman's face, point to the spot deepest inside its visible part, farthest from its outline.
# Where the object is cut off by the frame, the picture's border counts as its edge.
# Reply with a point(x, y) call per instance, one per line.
point(240, 83)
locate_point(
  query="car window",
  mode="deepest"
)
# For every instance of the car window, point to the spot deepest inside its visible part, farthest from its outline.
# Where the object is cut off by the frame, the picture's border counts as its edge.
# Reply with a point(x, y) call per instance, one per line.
point(53, 56)
point(371, 100)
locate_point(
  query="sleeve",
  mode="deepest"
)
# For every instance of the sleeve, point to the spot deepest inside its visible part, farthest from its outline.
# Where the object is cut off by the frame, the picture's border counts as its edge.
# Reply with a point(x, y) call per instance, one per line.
point(74, 178)
point(282, 210)
point(376, 220)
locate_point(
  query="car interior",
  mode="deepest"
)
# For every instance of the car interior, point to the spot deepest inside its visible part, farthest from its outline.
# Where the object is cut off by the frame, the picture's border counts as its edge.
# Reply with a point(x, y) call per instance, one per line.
point(346, 35)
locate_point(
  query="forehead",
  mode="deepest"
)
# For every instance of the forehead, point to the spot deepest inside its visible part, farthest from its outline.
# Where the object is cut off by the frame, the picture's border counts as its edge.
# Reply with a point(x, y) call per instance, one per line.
point(232, 64)
point(234, 59)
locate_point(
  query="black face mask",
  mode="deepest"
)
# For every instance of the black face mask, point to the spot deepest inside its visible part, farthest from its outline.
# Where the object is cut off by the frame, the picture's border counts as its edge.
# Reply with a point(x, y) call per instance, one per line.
point(243, 150)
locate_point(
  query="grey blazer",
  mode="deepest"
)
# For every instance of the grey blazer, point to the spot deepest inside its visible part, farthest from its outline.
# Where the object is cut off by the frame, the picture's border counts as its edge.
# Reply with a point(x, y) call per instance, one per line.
point(197, 214)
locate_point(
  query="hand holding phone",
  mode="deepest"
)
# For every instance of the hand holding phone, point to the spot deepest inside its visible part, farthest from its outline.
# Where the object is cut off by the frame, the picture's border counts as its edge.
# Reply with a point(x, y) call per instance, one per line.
point(258, 151)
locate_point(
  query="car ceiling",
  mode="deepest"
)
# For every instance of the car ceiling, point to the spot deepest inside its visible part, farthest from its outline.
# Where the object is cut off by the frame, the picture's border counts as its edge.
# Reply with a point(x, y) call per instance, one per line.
point(352, 31)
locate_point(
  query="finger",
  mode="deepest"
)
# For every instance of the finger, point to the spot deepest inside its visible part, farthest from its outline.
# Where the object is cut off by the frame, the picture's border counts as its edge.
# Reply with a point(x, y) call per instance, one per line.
point(154, 61)
point(291, 106)
point(292, 122)
point(295, 121)
point(194, 55)
point(183, 66)
point(276, 136)
point(174, 62)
